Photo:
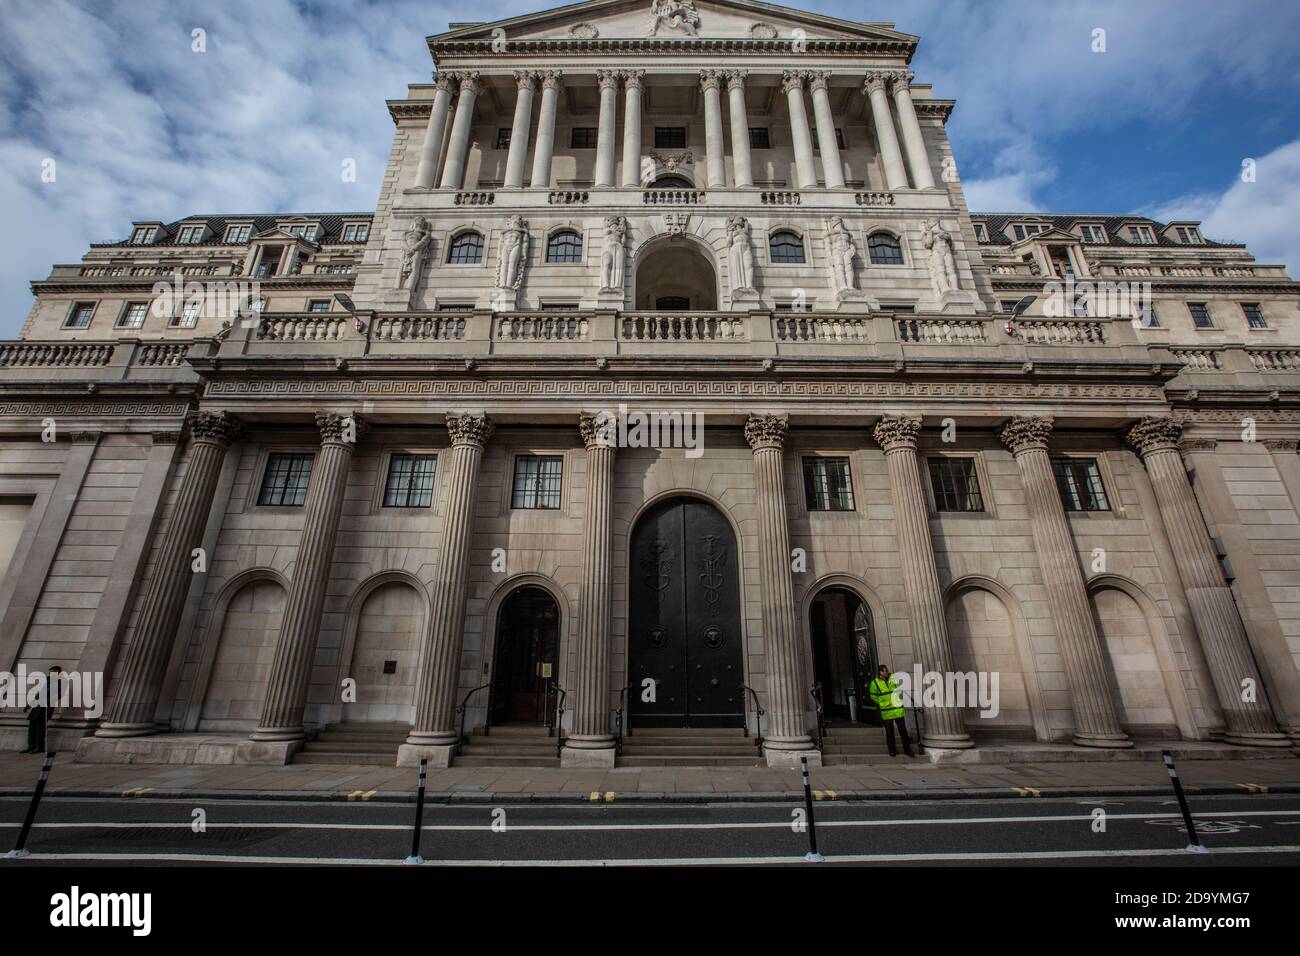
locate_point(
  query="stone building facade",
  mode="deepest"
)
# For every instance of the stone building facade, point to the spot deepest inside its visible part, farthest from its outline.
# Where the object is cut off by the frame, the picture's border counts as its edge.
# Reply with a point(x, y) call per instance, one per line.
point(670, 381)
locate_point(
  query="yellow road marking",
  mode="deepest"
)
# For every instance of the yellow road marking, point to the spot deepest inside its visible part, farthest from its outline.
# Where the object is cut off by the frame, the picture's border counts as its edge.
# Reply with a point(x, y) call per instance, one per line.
point(1027, 791)
point(1253, 787)
point(362, 794)
point(595, 795)
point(137, 791)
point(823, 794)
point(609, 796)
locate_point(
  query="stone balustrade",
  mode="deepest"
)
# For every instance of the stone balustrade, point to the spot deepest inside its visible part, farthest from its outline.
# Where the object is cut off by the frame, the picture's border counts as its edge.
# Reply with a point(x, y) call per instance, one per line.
point(1275, 360)
point(780, 197)
point(672, 197)
point(698, 327)
point(567, 197)
point(55, 355)
point(941, 331)
point(874, 199)
point(303, 327)
point(1199, 360)
point(478, 198)
point(419, 328)
point(541, 327)
point(807, 328)
point(1060, 331)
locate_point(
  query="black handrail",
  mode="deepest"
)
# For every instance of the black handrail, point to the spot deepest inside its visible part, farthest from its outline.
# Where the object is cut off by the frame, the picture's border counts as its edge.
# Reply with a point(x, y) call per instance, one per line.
point(559, 719)
point(758, 711)
point(618, 721)
point(816, 691)
point(461, 740)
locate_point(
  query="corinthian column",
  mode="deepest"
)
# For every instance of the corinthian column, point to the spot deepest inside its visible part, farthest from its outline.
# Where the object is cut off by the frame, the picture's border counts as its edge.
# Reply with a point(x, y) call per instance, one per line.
point(427, 172)
point(605, 127)
point(453, 170)
point(286, 692)
point(518, 151)
point(805, 167)
point(787, 737)
point(1218, 623)
point(434, 733)
point(944, 726)
point(140, 674)
point(1096, 724)
point(591, 744)
point(917, 159)
point(546, 130)
point(741, 168)
point(632, 127)
point(710, 81)
point(832, 168)
point(886, 138)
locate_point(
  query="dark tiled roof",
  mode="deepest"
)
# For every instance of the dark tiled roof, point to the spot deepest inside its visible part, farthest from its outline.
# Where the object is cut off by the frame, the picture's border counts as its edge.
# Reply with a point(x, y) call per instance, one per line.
point(331, 226)
point(997, 223)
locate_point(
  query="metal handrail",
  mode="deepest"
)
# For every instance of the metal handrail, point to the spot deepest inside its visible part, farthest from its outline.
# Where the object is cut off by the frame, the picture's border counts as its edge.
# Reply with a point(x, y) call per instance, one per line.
point(816, 691)
point(461, 708)
point(758, 711)
point(559, 719)
point(618, 720)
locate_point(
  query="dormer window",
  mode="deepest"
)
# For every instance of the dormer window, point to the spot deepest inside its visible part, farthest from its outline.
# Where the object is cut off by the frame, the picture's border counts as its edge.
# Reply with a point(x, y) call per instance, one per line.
point(1141, 235)
point(190, 235)
point(238, 234)
point(1188, 234)
point(1024, 229)
point(143, 235)
point(356, 232)
point(303, 230)
point(981, 232)
point(1093, 233)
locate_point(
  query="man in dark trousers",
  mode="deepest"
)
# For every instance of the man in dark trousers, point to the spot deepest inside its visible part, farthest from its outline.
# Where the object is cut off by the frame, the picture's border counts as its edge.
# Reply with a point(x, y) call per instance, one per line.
point(884, 691)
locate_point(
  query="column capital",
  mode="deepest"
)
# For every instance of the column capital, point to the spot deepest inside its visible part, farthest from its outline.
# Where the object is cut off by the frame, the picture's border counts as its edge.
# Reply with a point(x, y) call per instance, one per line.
point(902, 80)
point(551, 79)
point(524, 79)
point(470, 429)
point(340, 429)
point(1155, 434)
point(876, 81)
point(792, 80)
point(710, 79)
point(893, 434)
point(608, 79)
point(599, 430)
point(632, 79)
point(468, 80)
point(1026, 433)
point(219, 428)
point(766, 431)
point(443, 81)
point(736, 79)
point(819, 80)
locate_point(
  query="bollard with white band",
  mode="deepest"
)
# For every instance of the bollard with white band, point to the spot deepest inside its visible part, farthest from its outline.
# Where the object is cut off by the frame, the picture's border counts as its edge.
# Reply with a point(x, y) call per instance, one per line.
point(415, 857)
point(812, 856)
point(1195, 845)
point(19, 851)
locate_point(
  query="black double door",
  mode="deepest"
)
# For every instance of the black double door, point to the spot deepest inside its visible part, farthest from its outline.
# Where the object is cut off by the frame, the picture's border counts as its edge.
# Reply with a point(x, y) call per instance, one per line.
point(684, 619)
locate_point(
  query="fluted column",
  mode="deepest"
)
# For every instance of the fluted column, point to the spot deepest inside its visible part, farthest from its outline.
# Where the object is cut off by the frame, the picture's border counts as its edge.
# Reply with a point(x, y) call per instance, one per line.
point(141, 672)
point(805, 167)
point(1096, 724)
point(462, 125)
point(786, 698)
point(944, 726)
point(710, 81)
point(518, 151)
point(591, 743)
point(918, 161)
point(606, 127)
point(435, 689)
point(1218, 622)
point(632, 80)
point(286, 691)
point(545, 147)
point(742, 169)
point(886, 138)
point(427, 172)
point(832, 167)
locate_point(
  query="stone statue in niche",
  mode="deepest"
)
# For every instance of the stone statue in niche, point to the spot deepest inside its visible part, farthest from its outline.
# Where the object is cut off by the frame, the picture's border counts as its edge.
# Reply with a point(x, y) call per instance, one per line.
point(740, 255)
point(414, 245)
point(676, 15)
point(943, 265)
point(842, 253)
point(614, 255)
point(513, 255)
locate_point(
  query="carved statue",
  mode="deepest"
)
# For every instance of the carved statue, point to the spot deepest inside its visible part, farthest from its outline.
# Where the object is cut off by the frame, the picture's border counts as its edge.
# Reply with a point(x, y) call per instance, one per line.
point(740, 254)
point(513, 255)
point(676, 14)
point(842, 253)
point(414, 244)
point(237, 266)
point(943, 266)
point(614, 254)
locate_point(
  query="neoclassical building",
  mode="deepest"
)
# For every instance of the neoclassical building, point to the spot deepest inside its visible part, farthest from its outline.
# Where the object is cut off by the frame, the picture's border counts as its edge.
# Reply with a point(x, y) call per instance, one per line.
point(669, 387)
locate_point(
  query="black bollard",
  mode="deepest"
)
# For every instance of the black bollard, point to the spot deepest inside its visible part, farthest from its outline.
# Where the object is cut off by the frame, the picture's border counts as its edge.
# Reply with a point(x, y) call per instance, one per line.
point(19, 850)
point(419, 817)
point(812, 856)
point(1195, 845)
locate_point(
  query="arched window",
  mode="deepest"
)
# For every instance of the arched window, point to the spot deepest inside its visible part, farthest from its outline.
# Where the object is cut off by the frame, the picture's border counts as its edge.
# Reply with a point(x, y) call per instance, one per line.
point(671, 182)
point(672, 303)
point(565, 246)
point(785, 247)
point(884, 249)
point(466, 249)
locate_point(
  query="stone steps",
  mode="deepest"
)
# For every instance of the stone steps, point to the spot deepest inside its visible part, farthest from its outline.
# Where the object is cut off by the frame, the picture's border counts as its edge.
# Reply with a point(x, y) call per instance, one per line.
point(510, 745)
point(361, 744)
point(689, 747)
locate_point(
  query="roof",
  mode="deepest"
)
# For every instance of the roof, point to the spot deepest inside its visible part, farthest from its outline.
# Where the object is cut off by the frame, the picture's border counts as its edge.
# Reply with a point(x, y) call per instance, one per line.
point(998, 222)
point(331, 226)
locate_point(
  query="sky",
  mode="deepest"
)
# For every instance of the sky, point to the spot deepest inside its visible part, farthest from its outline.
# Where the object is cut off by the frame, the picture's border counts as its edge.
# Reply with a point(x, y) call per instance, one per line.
point(109, 113)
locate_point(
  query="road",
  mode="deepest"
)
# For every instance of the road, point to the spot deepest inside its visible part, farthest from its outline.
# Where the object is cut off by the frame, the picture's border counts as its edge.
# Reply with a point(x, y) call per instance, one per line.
point(1246, 830)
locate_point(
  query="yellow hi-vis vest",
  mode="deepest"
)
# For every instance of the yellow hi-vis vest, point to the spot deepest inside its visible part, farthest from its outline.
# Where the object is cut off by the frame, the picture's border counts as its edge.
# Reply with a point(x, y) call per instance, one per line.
point(882, 692)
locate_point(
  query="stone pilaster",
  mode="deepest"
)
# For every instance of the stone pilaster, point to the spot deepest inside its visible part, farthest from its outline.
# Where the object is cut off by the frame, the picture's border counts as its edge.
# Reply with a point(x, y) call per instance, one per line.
point(591, 744)
point(1218, 622)
point(435, 731)
point(286, 691)
point(140, 677)
point(1096, 724)
point(787, 737)
point(944, 726)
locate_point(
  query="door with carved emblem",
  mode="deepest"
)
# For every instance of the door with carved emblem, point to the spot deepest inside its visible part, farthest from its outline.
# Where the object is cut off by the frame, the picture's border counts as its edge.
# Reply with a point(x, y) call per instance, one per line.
point(684, 619)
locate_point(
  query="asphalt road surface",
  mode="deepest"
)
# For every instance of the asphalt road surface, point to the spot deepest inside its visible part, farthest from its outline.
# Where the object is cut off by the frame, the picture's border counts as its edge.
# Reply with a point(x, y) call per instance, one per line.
point(1246, 830)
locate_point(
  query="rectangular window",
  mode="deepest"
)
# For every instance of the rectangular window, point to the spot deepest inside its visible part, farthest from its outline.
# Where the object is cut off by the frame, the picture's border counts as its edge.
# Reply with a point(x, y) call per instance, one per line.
point(133, 315)
point(503, 138)
point(79, 315)
point(410, 481)
point(318, 305)
point(285, 480)
point(1200, 315)
point(559, 306)
point(1254, 315)
point(191, 235)
point(1145, 313)
point(956, 484)
point(356, 232)
point(1027, 229)
point(1093, 233)
point(827, 485)
point(305, 231)
point(189, 314)
point(981, 233)
point(670, 137)
point(1188, 234)
point(759, 138)
point(238, 234)
point(839, 139)
point(269, 262)
point(1141, 235)
point(1008, 305)
point(537, 481)
point(582, 137)
point(143, 235)
point(454, 307)
point(1079, 482)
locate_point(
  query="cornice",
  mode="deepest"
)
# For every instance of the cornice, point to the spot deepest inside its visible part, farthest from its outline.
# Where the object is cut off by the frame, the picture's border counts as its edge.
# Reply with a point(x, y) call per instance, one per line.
point(662, 44)
point(83, 284)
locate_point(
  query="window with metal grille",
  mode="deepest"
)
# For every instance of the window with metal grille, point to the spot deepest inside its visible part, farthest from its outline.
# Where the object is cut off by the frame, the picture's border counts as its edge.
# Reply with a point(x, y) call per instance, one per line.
point(79, 315)
point(285, 480)
point(503, 139)
point(839, 140)
point(759, 138)
point(1254, 315)
point(133, 315)
point(318, 305)
point(956, 484)
point(582, 137)
point(884, 249)
point(537, 481)
point(670, 137)
point(466, 249)
point(670, 303)
point(1079, 482)
point(564, 246)
point(785, 247)
point(827, 485)
point(1200, 315)
point(410, 481)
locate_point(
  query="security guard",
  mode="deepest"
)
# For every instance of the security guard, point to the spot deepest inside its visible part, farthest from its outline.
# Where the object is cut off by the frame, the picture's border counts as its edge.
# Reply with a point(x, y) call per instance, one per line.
point(883, 690)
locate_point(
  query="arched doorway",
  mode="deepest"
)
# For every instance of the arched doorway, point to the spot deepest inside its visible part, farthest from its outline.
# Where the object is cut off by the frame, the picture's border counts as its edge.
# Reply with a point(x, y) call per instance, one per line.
point(678, 274)
point(684, 618)
point(385, 653)
point(844, 654)
point(527, 651)
point(241, 669)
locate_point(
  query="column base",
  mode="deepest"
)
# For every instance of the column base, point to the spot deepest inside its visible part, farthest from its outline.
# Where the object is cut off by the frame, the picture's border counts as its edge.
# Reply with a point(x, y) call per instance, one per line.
point(791, 759)
point(1258, 740)
point(602, 758)
point(175, 749)
point(438, 755)
point(1107, 741)
point(277, 734)
point(947, 742)
point(127, 730)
